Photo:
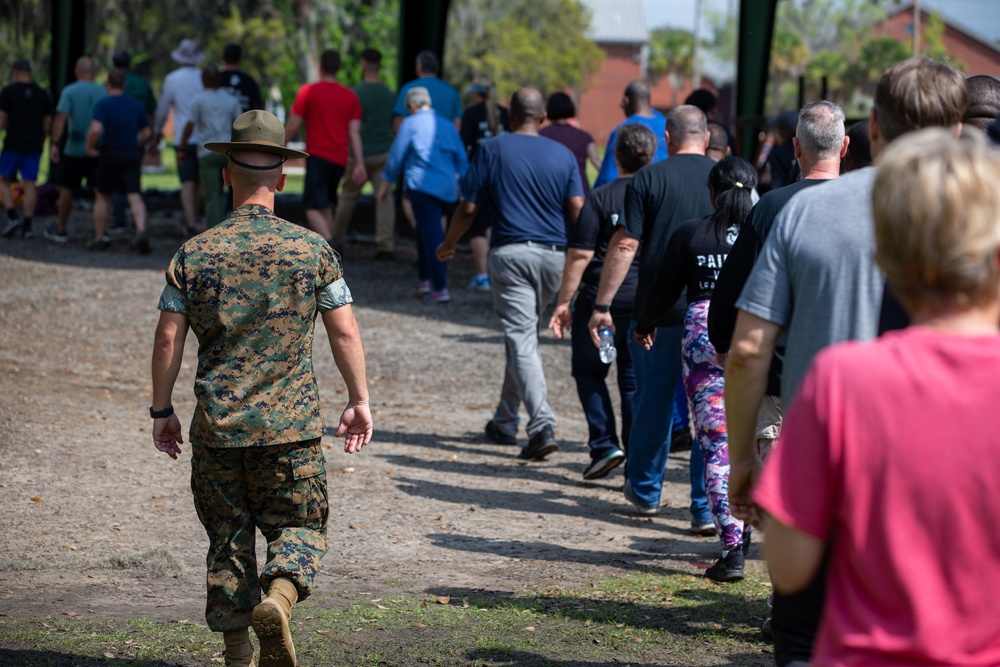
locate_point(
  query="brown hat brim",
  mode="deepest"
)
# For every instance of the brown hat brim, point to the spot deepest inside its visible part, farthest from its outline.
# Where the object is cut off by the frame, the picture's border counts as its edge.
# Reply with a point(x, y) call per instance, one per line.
point(255, 147)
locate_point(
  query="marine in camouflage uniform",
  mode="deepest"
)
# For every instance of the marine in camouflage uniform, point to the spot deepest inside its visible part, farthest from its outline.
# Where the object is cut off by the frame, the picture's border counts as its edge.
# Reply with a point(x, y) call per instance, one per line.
point(250, 288)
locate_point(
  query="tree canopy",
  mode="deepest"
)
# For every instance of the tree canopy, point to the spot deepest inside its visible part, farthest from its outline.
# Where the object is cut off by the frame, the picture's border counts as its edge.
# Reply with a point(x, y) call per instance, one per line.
point(537, 43)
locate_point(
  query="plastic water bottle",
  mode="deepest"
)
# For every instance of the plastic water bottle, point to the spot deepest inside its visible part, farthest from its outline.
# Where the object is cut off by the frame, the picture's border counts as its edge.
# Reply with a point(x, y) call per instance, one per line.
point(607, 349)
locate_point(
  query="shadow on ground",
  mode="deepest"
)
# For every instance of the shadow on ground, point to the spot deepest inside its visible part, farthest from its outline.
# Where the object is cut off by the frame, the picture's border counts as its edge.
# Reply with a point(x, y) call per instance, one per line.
point(32, 658)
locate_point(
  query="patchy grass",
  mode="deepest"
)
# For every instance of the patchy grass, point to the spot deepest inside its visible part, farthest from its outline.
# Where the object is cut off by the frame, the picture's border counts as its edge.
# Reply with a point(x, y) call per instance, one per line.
point(640, 619)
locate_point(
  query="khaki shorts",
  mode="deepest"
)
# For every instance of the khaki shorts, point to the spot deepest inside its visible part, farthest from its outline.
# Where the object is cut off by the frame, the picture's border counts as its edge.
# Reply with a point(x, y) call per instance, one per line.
point(768, 425)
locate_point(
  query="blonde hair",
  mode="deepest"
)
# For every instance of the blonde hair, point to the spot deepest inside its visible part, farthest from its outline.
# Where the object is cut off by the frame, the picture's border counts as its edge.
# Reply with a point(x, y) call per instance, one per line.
point(936, 206)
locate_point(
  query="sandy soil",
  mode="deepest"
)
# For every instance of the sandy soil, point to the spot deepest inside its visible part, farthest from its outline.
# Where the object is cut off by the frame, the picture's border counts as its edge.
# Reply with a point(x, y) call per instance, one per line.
point(99, 524)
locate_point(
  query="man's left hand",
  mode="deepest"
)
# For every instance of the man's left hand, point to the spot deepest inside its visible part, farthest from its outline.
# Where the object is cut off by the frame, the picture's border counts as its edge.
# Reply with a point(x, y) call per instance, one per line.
point(355, 426)
point(167, 435)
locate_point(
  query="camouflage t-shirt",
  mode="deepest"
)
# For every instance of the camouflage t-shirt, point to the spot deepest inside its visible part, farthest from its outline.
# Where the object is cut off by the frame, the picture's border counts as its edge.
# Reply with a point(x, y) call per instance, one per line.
point(250, 288)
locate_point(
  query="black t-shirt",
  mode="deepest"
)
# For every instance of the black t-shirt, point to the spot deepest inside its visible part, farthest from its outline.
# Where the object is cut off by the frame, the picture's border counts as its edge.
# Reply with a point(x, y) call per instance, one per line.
point(243, 86)
point(783, 165)
point(734, 275)
point(26, 106)
point(602, 214)
point(659, 198)
point(476, 128)
point(691, 262)
point(722, 311)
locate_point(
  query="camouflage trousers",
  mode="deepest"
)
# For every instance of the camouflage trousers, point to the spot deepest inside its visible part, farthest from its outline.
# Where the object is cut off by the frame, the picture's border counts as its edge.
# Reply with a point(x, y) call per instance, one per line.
point(279, 489)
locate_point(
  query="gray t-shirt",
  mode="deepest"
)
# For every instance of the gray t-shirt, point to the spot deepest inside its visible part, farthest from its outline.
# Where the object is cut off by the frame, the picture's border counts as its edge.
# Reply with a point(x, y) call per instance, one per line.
point(213, 112)
point(816, 275)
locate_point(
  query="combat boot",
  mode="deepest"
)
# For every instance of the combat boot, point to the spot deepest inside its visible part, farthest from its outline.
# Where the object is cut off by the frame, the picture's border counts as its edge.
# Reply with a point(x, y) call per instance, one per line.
point(239, 650)
point(270, 622)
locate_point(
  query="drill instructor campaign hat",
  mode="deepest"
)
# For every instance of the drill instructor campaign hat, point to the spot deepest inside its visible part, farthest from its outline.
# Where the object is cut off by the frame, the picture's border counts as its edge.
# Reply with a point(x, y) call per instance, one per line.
point(257, 131)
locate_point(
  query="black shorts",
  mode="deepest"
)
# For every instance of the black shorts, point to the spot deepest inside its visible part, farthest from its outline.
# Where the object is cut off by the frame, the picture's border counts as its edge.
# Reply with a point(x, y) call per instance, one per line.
point(480, 223)
point(119, 170)
point(187, 169)
point(75, 169)
point(322, 179)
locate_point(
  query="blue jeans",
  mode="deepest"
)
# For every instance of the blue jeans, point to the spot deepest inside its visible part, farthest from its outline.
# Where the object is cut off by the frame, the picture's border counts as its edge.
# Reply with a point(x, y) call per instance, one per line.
point(700, 509)
point(590, 374)
point(656, 374)
point(428, 211)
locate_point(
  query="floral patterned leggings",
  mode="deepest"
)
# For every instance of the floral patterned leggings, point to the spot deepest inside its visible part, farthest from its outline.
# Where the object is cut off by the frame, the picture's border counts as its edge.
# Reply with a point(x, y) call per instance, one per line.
point(703, 380)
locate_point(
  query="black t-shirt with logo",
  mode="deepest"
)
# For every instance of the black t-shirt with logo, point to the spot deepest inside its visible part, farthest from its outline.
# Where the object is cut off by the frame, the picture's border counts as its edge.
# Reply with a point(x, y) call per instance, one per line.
point(476, 128)
point(693, 259)
point(602, 214)
point(242, 86)
point(26, 106)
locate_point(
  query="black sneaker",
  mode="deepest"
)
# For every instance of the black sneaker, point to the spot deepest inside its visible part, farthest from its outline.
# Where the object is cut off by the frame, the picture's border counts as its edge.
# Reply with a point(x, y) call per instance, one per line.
point(680, 440)
point(10, 227)
point(26, 231)
point(539, 446)
point(142, 245)
point(102, 243)
point(604, 464)
point(747, 537)
point(53, 234)
point(498, 437)
point(729, 568)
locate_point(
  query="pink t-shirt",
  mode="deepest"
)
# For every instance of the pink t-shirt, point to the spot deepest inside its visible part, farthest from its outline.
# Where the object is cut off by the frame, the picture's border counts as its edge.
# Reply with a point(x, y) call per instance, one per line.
point(891, 454)
point(328, 108)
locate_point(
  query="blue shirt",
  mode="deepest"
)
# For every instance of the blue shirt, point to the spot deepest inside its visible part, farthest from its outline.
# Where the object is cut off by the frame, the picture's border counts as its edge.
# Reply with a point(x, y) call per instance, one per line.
point(444, 98)
point(431, 153)
point(526, 181)
point(122, 118)
point(77, 101)
point(657, 123)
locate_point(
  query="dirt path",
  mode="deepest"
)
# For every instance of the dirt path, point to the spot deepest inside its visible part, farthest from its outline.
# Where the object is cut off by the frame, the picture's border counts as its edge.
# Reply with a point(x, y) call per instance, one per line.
point(99, 524)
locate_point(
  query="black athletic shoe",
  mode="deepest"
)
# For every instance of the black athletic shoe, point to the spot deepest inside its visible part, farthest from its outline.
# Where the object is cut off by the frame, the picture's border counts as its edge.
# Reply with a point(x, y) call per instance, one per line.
point(498, 437)
point(142, 245)
point(539, 446)
point(600, 467)
point(747, 537)
point(729, 568)
point(680, 440)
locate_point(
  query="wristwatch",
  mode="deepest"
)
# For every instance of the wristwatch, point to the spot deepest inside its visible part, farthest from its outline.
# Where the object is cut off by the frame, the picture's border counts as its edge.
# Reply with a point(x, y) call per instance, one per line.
point(161, 414)
point(598, 308)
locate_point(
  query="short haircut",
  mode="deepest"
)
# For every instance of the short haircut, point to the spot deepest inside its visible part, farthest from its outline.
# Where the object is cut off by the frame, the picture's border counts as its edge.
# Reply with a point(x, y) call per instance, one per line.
point(560, 107)
point(859, 150)
point(984, 101)
point(703, 99)
point(232, 54)
point(526, 104)
point(428, 63)
point(635, 148)
point(329, 61)
point(917, 93)
point(372, 56)
point(86, 65)
point(718, 137)
point(120, 58)
point(210, 76)
point(686, 122)
point(935, 205)
point(637, 91)
point(820, 131)
point(255, 178)
point(418, 96)
point(116, 78)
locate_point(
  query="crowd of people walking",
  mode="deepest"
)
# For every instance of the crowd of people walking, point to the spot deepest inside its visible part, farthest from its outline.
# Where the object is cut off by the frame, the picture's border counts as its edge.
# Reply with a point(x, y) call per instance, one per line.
point(746, 307)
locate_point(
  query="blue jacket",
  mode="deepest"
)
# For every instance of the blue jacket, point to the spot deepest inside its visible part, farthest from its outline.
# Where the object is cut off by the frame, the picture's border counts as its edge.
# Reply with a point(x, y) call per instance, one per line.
point(431, 155)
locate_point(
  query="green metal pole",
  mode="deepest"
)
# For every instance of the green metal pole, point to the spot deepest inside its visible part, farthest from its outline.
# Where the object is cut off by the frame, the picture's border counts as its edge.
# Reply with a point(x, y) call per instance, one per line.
point(753, 60)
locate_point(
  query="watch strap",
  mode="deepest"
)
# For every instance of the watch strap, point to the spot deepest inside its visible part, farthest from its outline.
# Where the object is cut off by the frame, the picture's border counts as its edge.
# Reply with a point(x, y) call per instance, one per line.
point(161, 414)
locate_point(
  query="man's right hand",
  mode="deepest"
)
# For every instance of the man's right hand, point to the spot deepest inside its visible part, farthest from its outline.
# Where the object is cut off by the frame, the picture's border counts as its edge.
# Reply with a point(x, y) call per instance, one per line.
point(54, 155)
point(167, 435)
point(561, 320)
point(598, 320)
point(355, 426)
point(742, 480)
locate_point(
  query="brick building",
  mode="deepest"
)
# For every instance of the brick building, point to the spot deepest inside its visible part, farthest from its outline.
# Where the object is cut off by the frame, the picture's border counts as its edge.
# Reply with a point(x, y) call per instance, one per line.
point(976, 54)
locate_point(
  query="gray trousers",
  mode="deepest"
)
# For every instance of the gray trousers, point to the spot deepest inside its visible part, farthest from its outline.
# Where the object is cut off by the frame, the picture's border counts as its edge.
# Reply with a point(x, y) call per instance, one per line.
point(524, 278)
